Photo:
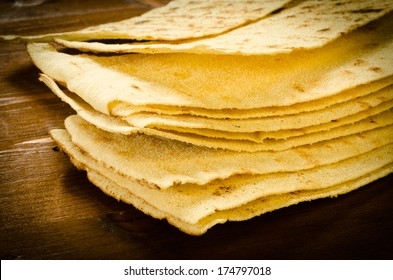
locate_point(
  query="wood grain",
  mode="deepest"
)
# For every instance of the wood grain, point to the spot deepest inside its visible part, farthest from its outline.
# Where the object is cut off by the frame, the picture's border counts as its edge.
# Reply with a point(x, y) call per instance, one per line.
point(49, 210)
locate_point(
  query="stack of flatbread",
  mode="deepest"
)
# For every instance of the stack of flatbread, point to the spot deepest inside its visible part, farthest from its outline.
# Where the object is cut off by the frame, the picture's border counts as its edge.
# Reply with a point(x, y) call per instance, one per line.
point(202, 112)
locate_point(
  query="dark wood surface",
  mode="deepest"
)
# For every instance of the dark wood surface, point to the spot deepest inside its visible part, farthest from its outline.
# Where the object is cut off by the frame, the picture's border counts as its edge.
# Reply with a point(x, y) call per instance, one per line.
point(49, 210)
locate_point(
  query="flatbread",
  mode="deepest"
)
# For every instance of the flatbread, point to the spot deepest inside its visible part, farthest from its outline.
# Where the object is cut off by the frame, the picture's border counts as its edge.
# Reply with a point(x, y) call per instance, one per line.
point(178, 20)
point(194, 204)
point(285, 139)
point(221, 82)
point(134, 156)
point(310, 24)
point(241, 213)
point(276, 140)
point(296, 121)
point(123, 110)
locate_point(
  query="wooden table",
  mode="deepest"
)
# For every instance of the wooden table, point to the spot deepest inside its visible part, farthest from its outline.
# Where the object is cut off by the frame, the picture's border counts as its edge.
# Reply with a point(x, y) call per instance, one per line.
point(49, 210)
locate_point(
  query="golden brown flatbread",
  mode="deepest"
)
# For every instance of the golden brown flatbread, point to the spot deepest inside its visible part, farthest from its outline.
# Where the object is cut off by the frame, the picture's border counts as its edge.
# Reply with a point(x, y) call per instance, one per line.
point(194, 208)
point(137, 155)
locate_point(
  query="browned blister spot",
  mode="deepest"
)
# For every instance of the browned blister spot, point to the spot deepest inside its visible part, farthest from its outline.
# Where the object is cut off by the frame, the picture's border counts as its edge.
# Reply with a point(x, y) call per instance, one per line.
point(222, 190)
point(303, 25)
point(323, 30)
point(298, 87)
point(375, 69)
point(347, 72)
point(359, 62)
point(312, 161)
point(135, 87)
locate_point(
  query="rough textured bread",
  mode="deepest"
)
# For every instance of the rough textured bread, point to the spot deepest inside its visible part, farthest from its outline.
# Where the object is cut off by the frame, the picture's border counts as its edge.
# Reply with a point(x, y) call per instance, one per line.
point(310, 24)
point(241, 213)
point(178, 20)
point(123, 110)
point(295, 121)
point(309, 87)
point(276, 140)
point(222, 82)
point(135, 156)
point(237, 198)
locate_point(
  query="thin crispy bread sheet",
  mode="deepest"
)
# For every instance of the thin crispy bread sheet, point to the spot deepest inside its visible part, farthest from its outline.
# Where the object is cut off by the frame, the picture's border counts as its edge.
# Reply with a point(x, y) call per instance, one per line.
point(282, 139)
point(296, 121)
point(178, 20)
point(136, 155)
point(241, 213)
point(310, 24)
point(123, 110)
point(222, 82)
point(277, 140)
point(195, 208)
